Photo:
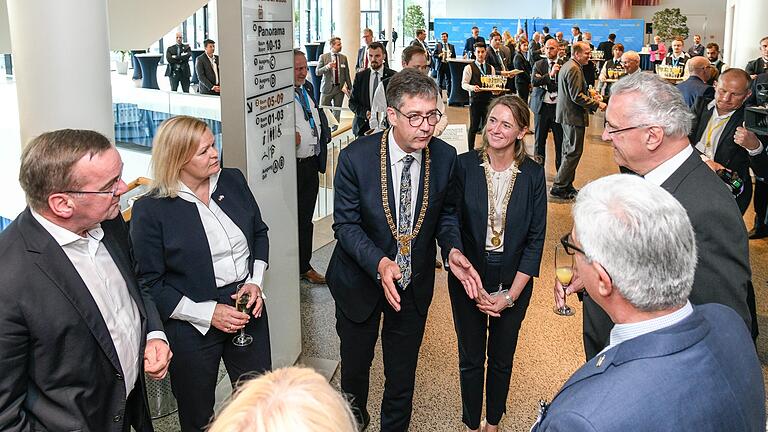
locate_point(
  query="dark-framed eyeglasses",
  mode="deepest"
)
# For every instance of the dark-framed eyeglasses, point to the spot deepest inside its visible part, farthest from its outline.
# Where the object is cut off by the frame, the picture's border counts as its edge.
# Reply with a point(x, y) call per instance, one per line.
point(111, 192)
point(615, 131)
point(569, 247)
point(415, 120)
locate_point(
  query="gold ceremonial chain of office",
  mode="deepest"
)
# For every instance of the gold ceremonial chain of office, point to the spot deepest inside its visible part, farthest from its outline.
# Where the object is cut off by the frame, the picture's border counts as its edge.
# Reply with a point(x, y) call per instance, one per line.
point(404, 241)
point(496, 237)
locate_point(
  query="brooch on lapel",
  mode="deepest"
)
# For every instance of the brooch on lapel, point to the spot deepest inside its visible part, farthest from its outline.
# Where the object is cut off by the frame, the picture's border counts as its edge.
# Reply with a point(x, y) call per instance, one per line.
point(221, 198)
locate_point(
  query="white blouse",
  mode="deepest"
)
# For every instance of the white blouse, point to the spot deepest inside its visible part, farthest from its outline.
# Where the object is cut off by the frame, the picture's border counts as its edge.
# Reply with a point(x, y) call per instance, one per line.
point(500, 181)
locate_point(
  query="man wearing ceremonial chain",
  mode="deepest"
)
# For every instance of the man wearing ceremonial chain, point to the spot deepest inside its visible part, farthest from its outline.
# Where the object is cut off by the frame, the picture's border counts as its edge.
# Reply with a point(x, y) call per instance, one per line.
point(383, 263)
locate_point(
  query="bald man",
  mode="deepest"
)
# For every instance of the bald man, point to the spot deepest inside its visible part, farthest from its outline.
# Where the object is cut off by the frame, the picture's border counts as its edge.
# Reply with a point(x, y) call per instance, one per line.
point(177, 57)
point(696, 85)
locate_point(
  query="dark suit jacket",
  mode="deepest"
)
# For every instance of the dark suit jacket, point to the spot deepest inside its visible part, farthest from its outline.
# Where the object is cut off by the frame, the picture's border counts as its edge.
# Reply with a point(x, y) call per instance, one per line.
point(607, 48)
point(523, 79)
point(694, 88)
point(206, 75)
point(364, 237)
point(492, 60)
point(60, 369)
point(172, 254)
point(360, 100)
point(728, 153)
point(439, 50)
point(573, 101)
point(325, 131)
point(757, 66)
point(534, 52)
point(722, 270)
point(360, 57)
point(761, 79)
point(178, 63)
point(696, 50)
point(542, 83)
point(526, 223)
point(469, 45)
point(706, 363)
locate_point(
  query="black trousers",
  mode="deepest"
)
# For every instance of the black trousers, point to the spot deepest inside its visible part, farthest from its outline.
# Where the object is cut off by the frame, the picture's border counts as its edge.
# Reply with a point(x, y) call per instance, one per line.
point(444, 77)
point(760, 201)
point(179, 78)
point(478, 109)
point(597, 327)
point(477, 334)
point(307, 185)
point(401, 336)
point(523, 90)
point(545, 122)
point(195, 366)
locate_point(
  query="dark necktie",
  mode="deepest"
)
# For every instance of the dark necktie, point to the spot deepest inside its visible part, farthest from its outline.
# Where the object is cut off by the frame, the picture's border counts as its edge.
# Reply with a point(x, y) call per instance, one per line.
point(405, 222)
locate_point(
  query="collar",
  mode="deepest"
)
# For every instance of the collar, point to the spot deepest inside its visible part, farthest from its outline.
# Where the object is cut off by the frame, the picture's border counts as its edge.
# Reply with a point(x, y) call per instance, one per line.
point(661, 173)
point(512, 168)
point(396, 153)
point(624, 332)
point(211, 57)
point(64, 236)
point(379, 70)
point(715, 113)
point(186, 193)
point(479, 65)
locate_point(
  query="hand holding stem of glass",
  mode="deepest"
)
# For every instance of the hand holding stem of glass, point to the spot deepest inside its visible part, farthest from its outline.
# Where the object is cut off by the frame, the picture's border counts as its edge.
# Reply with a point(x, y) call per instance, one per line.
point(564, 274)
point(242, 339)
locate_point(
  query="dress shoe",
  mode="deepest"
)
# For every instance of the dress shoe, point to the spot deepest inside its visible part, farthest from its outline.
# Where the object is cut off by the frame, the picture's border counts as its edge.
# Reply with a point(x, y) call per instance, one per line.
point(758, 232)
point(564, 194)
point(313, 277)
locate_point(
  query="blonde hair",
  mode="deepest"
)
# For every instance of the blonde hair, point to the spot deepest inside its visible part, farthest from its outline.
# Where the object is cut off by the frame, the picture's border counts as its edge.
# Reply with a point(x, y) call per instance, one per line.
point(174, 145)
point(288, 399)
point(522, 117)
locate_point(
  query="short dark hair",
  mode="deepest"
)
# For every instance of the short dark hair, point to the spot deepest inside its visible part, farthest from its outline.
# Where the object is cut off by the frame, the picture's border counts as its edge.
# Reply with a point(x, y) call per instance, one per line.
point(444, 33)
point(47, 162)
point(494, 34)
point(410, 51)
point(333, 40)
point(376, 45)
point(479, 45)
point(713, 45)
point(409, 82)
point(208, 42)
point(420, 32)
point(475, 28)
point(612, 36)
point(545, 29)
point(765, 38)
point(577, 28)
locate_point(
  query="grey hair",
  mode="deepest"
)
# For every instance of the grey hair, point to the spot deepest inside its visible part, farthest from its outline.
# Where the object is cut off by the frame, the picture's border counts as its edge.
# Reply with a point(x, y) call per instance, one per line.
point(643, 238)
point(658, 103)
point(409, 82)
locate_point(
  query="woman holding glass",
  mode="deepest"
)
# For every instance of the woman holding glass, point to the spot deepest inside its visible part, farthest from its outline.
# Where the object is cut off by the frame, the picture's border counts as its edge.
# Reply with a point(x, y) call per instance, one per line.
point(502, 214)
point(200, 244)
point(520, 62)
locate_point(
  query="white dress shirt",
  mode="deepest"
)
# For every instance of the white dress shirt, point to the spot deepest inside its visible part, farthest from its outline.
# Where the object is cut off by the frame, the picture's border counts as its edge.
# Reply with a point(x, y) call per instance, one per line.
point(379, 112)
point(715, 127)
point(623, 332)
point(500, 180)
point(215, 67)
point(371, 88)
point(661, 173)
point(308, 140)
point(104, 281)
point(466, 76)
point(229, 253)
point(396, 155)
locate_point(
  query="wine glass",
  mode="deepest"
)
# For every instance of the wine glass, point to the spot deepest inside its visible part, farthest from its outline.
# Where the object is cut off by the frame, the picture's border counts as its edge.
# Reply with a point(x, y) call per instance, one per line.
point(243, 297)
point(564, 273)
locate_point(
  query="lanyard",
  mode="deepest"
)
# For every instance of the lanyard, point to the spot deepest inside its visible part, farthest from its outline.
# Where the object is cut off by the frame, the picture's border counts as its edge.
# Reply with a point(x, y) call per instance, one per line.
point(710, 131)
point(307, 110)
point(482, 69)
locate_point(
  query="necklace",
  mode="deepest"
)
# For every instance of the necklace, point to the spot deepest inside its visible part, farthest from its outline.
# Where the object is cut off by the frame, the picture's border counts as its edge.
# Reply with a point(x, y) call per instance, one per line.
point(403, 241)
point(496, 235)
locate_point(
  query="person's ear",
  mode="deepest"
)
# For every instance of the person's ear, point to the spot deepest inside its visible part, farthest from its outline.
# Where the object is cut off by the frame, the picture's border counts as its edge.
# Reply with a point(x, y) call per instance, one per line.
point(655, 138)
point(62, 205)
point(391, 116)
point(605, 285)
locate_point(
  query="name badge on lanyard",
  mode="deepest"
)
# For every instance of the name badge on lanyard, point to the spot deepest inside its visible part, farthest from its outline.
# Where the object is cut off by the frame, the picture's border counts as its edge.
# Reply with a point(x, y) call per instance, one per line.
point(303, 99)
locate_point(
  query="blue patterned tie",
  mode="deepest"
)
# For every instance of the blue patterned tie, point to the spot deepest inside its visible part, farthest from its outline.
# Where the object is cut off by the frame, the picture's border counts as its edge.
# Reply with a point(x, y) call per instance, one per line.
point(404, 225)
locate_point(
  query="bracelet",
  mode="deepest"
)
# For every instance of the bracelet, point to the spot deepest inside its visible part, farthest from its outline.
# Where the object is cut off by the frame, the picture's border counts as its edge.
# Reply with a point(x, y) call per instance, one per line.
point(509, 300)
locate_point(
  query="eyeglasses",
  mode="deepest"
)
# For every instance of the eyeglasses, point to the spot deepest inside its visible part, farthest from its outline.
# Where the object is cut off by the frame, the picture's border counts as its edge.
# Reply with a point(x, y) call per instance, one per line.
point(415, 120)
point(569, 247)
point(112, 192)
point(615, 131)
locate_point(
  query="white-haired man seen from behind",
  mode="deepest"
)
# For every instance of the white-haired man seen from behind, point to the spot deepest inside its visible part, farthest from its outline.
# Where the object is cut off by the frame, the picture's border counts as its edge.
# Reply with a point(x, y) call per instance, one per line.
point(647, 123)
point(669, 365)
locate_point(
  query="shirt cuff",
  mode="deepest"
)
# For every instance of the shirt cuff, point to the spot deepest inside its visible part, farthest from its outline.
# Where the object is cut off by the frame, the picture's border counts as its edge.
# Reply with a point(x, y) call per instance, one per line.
point(756, 151)
point(157, 335)
point(197, 314)
point(257, 277)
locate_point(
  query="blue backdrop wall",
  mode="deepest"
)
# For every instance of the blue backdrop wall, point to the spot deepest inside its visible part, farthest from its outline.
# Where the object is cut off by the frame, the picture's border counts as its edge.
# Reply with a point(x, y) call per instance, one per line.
point(628, 31)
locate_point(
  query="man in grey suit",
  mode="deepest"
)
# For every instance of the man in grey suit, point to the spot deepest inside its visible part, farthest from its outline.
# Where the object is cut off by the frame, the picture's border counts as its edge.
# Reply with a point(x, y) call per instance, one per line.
point(336, 83)
point(648, 123)
point(573, 102)
point(670, 366)
point(207, 68)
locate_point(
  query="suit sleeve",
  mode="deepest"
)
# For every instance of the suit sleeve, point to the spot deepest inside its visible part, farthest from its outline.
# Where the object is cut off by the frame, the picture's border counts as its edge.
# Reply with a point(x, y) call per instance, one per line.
point(355, 99)
point(347, 78)
point(347, 217)
point(448, 227)
point(575, 82)
point(697, 110)
point(750, 69)
point(322, 66)
point(530, 262)
point(169, 56)
point(14, 346)
point(201, 75)
point(148, 248)
point(568, 421)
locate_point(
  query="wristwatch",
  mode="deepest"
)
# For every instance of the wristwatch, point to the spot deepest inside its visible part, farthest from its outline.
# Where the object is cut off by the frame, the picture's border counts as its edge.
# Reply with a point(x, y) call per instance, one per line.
point(509, 300)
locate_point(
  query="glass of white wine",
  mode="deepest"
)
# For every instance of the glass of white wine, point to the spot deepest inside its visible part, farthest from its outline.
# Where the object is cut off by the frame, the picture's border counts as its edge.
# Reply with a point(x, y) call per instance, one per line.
point(242, 339)
point(564, 274)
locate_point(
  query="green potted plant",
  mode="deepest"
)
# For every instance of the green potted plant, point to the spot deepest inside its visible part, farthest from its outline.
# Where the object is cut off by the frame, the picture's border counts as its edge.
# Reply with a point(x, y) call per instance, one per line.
point(669, 24)
point(122, 64)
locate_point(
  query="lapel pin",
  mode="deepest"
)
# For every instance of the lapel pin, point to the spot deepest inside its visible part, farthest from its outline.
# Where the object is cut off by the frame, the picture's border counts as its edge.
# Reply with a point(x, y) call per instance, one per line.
point(600, 361)
point(221, 198)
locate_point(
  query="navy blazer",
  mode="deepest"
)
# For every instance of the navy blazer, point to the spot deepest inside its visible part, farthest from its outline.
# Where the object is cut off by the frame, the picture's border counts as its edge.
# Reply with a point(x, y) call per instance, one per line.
point(694, 88)
point(526, 223)
point(173, 258)
point(701, 374)
point(364, 237)
point(59, 369)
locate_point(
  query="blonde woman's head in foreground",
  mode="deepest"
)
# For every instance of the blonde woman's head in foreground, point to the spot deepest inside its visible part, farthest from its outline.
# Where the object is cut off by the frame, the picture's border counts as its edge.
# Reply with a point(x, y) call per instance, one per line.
point(288, 399)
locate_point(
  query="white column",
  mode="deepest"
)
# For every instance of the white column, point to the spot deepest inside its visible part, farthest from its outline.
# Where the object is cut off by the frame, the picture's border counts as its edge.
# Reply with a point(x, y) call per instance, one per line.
point(745, 35)
point(347, 18)
point(61, 61)
point(386, 12)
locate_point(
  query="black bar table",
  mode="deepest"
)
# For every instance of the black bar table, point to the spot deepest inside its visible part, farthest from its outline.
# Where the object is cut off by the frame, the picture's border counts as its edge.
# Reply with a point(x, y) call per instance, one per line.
point(459, 96)
point(148, 64)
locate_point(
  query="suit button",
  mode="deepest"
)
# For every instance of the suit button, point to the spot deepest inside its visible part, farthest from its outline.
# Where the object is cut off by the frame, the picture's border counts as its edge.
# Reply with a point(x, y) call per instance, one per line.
point(117, 418)
point(119, 377)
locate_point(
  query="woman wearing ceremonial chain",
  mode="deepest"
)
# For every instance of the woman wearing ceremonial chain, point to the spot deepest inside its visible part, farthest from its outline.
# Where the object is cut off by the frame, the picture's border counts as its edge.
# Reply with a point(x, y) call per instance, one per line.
point(502, 214)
